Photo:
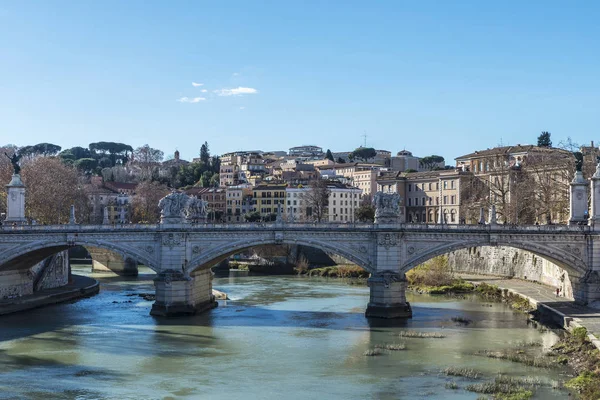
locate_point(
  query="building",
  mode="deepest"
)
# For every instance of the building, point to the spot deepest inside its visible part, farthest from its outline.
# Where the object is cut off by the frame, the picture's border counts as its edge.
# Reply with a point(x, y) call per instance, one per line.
point(342, 202)
point(404, 161)
point(428, 197)
point(216, 199)
point(112, 199)
point(238, 202)
point(267, 198)
point(525, 183)
point(306, 152)
point(169, 168)
point(241, 167)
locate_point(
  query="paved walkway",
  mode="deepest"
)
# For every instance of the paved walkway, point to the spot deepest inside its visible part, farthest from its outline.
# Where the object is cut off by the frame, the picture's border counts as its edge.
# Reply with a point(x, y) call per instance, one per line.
point(545, 296)
point(81, 286)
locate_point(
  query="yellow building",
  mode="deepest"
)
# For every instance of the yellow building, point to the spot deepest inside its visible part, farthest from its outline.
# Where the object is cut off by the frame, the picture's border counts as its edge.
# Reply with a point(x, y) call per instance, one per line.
point(266, 198)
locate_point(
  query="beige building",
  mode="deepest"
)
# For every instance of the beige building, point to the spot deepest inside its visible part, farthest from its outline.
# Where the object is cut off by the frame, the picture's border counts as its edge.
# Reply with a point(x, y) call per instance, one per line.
point(342, 202)
point(241, 167)
point(427, 197)
point(238, 202)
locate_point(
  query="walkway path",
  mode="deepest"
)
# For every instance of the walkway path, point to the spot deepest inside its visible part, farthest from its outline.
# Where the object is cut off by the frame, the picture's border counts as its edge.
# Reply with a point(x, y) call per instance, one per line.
point(81, 286)
point(566, 312)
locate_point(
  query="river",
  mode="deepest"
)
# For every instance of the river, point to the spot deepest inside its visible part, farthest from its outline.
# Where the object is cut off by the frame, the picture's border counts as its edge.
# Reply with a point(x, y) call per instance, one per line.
point(277, 338)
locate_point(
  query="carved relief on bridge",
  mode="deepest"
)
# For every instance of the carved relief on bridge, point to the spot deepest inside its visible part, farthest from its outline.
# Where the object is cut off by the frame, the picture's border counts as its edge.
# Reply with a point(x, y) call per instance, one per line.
point(388, 239)
point(173, 239)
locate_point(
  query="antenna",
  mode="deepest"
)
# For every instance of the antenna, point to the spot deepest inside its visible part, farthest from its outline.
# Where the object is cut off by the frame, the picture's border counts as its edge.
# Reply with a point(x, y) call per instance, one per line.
point(365, 136)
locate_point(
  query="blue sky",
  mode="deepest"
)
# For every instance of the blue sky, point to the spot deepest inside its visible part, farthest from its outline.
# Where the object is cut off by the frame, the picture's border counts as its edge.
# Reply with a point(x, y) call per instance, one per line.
point(434, 77)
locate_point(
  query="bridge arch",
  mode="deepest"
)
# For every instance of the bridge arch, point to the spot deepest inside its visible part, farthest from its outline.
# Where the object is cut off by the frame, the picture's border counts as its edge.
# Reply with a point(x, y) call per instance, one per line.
point(574, 265)
point(219, 253)
point(26, 255)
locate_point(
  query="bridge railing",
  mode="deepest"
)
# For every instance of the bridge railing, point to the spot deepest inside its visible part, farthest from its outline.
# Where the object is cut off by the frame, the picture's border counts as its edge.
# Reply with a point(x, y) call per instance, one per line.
point(191, 227)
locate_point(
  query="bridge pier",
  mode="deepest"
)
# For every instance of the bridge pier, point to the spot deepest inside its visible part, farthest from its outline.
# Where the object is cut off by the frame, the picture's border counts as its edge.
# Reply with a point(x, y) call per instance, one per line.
point(178, 294)
point(388, 296)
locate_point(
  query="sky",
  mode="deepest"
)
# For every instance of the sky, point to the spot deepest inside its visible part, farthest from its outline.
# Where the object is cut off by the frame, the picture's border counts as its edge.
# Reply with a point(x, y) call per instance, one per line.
point(432, 77)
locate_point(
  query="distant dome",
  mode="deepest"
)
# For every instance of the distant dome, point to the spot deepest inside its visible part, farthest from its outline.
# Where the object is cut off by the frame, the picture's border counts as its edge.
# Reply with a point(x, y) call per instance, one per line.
point(404, 153)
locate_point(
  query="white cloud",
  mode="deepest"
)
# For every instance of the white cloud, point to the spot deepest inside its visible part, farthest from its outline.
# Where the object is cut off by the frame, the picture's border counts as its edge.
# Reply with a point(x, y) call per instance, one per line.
point(194, 84)
point(235, 74)
point(242, 108)
point(191, 99)
point(236, 91)
point(204, 90)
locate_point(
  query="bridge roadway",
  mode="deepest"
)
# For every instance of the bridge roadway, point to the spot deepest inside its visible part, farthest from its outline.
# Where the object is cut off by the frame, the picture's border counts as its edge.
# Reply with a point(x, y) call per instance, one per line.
point(183, 253)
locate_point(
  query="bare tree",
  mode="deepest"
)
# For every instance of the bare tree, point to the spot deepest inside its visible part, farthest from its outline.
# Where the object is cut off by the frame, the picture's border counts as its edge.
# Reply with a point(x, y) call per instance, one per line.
point(52, 187)
point(316, 200)
point(144, 204)
point(148, 160)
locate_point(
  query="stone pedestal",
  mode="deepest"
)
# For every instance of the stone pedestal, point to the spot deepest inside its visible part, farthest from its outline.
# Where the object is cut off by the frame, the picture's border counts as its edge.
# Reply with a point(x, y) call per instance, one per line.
point(177, 294)
point(388, 296)
point(579, 200)
point(15, 201)
point(587, 290)
point(595, 199)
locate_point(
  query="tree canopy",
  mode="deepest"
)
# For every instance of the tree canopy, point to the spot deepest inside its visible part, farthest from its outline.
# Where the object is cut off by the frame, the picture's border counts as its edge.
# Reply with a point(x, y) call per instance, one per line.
point(362, 153)
point(431, 162)
point(544, 140)
point(329, 155)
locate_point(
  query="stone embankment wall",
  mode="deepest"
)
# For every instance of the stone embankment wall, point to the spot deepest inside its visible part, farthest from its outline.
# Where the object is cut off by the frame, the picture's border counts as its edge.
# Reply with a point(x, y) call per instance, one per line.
point(50, 273)
point(510, 262)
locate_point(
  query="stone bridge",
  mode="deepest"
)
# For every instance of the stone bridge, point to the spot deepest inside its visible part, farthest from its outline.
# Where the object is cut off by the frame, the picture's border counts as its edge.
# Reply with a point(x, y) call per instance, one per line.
point(181, 254)
point(181, 250)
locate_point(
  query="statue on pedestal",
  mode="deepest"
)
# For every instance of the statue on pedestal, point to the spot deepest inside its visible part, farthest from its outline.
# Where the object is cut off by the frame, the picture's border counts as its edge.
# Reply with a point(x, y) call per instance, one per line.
point(172, 207)
point(387, 208)
point(196, 210)
point(14, 160)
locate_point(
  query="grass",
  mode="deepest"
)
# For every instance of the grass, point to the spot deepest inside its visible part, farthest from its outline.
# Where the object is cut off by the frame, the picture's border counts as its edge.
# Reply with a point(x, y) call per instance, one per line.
point(580, 354)
point(518, 357)
point(391, 346)
point(339, 271)
point(452, 385)
point(373, 352)
point(463, 372)
point(503, 391)
point(421, 335)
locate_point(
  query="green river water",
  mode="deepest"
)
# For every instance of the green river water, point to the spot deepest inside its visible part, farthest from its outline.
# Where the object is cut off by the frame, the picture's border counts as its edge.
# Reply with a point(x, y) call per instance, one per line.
point(277, 338)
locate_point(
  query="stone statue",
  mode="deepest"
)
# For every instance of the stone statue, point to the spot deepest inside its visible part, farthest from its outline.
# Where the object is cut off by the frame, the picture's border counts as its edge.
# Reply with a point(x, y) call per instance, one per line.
point(387, 207)
point(578, 161)
point(14, 160)
point(195, 209)
point(172, 207)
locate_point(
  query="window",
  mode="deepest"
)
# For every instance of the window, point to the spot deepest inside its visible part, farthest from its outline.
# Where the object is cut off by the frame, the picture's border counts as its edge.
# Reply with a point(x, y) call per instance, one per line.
point(453, 199)
point(423, 201)
point(445, 184)
point(410, 187)
point(429, 186)
point(445, 200)
point(452, 184)
point(409, 201)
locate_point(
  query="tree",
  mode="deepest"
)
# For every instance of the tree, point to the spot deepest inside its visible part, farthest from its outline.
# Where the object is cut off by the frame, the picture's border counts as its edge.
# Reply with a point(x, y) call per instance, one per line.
point(363, 153)
point(365, 213)
point(40, 149)
point(148, 159)
point(86, 165)
point(316, 199)
point(252, 216)
point(205, 154)
point(52, 187)
point(544, 140)
point(329, 155)
point(115, 151)
point(144, 205)
point(432, 162)
point(340, 160)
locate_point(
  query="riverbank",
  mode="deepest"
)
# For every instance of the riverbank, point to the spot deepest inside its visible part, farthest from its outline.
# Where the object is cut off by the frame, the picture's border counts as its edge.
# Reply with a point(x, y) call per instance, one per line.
point(80, 287)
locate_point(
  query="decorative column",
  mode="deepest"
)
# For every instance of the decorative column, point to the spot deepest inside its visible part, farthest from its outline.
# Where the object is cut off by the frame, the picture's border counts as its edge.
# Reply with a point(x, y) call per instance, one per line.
point(579, 200)
point(493, 218)
point(388, 296)
point(595, 200)
point(15, 201)
point(72, 219)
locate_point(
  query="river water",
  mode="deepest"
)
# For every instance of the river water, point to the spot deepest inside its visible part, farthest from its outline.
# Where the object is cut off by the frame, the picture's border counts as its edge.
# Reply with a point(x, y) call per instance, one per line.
point(278, 338)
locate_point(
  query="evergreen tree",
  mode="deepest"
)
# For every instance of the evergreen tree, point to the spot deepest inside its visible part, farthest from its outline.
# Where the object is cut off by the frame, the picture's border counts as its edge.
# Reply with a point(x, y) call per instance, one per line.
point(544, 140)
point(205, 154)
point(329, 155)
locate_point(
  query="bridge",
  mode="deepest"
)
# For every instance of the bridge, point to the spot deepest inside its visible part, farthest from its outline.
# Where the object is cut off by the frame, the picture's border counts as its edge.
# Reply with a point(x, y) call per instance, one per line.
point(182, 252)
